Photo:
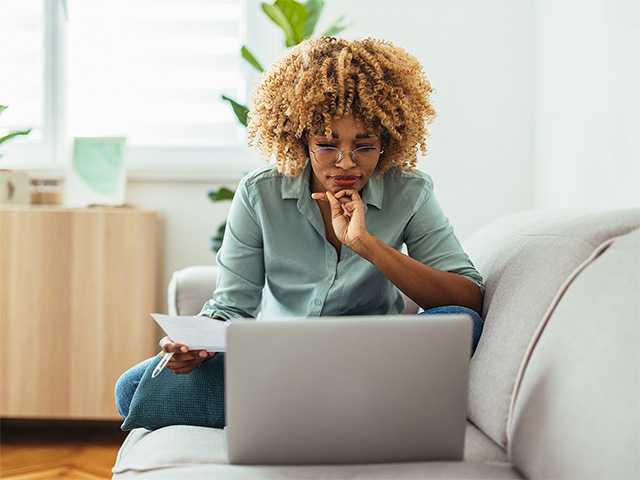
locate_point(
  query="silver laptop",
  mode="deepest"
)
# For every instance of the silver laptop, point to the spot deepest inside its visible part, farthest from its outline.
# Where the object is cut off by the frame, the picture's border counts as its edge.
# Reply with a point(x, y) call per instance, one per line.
point(351, 389)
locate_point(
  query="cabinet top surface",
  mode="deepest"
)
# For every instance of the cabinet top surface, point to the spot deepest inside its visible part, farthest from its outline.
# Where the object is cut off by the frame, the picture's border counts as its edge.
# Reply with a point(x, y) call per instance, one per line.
point(63, 209)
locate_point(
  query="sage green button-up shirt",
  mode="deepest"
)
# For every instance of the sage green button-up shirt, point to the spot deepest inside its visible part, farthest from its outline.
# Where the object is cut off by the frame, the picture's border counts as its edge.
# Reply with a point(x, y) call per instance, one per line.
point(275, 258)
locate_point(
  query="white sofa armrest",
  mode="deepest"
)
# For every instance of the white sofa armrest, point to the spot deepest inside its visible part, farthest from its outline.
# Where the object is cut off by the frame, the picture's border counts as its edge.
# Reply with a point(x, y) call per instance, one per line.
point(190, 288)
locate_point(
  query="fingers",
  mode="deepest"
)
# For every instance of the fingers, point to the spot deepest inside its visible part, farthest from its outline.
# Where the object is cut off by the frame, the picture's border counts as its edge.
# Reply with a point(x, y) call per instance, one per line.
point(169, 346)
point(349, 192)
point(177, 365)
point(347, 210)
point(189, 356)
point(336, 211)
point(342, 195)
point(344, 202)
point(183, 359)
point(323, 197)
point(186, 363)
point(190, 363)
point(164, 341)
point(179, 349)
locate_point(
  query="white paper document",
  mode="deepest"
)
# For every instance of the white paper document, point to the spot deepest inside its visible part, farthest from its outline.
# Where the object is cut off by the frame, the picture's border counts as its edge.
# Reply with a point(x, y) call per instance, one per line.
point(196, 332)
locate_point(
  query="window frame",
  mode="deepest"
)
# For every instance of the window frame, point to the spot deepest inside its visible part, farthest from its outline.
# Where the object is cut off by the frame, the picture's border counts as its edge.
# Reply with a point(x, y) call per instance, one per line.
point(51, 156)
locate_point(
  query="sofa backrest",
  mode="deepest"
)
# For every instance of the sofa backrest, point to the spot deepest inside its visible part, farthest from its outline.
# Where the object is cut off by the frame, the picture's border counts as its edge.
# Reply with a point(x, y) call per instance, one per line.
point(524, 259)
point(576, 408)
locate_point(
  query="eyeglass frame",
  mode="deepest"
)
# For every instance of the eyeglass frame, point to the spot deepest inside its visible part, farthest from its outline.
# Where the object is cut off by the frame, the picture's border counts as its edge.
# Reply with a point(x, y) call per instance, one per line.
point(340, 152)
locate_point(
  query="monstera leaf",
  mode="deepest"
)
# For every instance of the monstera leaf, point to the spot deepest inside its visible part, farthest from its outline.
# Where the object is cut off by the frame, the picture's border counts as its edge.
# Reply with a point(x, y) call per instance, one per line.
point(290, 16)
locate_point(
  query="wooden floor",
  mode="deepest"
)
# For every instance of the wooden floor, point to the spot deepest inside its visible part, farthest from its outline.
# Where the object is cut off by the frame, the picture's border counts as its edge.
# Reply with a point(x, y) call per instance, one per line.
point(58, 449)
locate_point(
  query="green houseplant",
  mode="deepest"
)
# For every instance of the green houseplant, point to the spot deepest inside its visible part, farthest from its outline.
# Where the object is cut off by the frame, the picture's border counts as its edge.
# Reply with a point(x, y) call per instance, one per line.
point(10, 135)
point(298, 21)
point(14, 185)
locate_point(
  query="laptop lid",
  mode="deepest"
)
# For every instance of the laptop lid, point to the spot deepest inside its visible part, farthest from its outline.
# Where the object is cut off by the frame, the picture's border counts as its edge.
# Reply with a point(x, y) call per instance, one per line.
point(359, 389)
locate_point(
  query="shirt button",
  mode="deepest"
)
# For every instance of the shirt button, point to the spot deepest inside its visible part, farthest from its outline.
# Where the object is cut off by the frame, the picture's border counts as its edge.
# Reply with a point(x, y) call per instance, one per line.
point(317, 301)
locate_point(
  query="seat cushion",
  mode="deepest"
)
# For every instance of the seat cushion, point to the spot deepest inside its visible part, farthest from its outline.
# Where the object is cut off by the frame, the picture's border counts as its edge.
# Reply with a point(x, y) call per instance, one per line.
point(383, 471)
point(480, 448)
point(182, 449)
point(576, 412)
point(524, 259)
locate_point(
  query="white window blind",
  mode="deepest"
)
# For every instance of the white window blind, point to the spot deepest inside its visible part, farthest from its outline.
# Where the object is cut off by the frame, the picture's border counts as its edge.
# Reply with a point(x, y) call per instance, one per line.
point(154, 70)
point(22, 68)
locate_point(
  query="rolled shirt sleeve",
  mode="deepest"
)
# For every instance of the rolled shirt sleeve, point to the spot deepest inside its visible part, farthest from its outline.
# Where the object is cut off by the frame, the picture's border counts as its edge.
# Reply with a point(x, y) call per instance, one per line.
point(240, 262)
point(430, 239)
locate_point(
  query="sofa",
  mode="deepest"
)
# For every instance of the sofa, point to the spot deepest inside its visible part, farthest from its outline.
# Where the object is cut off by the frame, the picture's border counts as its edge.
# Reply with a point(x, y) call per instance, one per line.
point(554, 386)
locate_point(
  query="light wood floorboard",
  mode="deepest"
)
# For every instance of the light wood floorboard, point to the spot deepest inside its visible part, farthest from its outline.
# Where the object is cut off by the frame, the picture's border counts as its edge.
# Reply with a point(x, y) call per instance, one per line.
point(80, 450)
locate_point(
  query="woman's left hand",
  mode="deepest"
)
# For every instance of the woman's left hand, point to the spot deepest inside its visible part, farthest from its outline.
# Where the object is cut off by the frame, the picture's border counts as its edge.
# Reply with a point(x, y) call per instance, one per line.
point(347, 216)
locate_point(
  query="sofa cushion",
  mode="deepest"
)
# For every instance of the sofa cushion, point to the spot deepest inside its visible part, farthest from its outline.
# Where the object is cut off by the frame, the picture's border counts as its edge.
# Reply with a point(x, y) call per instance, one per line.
point(576, 412)
point(383, 471)
point(524, 259)
point(480, 448)
point(180, 449)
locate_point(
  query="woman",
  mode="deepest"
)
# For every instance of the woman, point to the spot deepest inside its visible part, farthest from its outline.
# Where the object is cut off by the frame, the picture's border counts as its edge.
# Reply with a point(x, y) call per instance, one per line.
point(320, 233)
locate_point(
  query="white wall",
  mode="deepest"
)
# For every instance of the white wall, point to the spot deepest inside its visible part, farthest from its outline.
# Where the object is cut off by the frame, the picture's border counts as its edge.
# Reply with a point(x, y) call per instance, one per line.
point(587, 123)
point(479, 58)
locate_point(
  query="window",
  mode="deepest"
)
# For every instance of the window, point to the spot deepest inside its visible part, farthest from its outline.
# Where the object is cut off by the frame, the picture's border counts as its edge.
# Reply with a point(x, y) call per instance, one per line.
point(150, 70)
point(21, 83)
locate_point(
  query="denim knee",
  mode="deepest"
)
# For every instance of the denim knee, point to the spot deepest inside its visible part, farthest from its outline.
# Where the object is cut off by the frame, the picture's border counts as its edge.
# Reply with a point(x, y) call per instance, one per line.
point(478, 322)
point(126, 386)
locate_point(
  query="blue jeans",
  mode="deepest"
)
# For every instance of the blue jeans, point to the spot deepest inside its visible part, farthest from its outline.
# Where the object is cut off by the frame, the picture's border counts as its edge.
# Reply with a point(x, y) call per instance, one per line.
point(128, 382)
point(126, 386)
point(478, 322)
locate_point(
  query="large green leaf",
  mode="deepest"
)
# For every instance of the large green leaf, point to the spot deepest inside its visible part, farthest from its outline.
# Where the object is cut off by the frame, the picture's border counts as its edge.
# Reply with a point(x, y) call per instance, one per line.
point(290, 16)
point(277, 16)
point(14, 134)
point(336, 27)
point(240, 110)
point(314, 10)
point(3, 108)
point(296, 14)
point(251, 59)
point(223, 193)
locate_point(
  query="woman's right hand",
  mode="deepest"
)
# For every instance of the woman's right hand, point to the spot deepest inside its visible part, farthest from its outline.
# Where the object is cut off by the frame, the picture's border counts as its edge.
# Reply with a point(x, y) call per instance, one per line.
point(183, 360)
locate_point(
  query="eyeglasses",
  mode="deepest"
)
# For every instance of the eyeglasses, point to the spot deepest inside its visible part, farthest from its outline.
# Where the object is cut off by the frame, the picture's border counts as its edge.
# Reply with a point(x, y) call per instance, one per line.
point(332, 154)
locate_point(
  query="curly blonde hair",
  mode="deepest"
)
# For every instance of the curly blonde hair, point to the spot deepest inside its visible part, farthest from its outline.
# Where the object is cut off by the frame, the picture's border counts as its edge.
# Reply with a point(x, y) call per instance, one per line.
point(319, 79)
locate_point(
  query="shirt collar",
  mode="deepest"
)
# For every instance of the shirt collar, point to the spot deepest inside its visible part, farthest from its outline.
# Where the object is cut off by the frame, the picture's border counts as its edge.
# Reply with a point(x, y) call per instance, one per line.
point(296, 187)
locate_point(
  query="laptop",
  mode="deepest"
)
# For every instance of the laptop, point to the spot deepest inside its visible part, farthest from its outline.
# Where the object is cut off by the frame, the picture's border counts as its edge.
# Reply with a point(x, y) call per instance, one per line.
point(349, 389)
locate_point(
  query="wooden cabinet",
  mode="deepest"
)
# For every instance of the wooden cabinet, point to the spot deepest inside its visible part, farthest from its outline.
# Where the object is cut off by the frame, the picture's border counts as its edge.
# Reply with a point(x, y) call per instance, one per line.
point(76, 289)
